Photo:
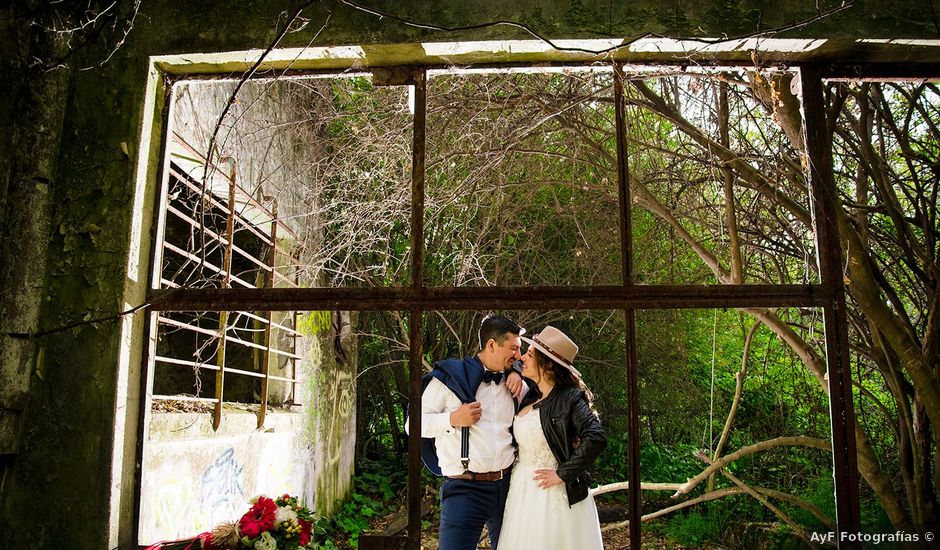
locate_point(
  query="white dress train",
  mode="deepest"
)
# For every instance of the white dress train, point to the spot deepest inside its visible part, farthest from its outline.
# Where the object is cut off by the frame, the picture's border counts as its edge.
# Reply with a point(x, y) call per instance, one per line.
point(541, 518)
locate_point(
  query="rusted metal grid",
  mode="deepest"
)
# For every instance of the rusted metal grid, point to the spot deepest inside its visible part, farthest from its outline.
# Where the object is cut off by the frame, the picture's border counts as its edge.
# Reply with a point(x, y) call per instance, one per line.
point(417, 299)
point(200, 250)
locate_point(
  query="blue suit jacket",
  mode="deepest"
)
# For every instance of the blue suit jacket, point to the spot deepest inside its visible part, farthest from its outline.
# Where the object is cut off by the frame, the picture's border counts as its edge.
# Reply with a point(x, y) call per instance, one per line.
point(461, 376)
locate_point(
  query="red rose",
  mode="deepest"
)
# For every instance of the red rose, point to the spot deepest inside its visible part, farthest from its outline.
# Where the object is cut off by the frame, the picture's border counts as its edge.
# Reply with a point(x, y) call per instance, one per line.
point(305, 528)
point(258, 519)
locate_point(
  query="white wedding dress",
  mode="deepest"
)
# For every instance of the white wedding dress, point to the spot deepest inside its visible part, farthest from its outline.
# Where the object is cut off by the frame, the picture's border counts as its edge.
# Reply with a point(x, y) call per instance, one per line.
point(538, 518)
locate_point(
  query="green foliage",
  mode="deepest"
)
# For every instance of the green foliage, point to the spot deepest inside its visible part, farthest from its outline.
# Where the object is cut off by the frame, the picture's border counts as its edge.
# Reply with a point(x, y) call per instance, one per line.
point(375, 492)
point(819, 492)
point(672, 463)
point(697, 526)
point(611, 466)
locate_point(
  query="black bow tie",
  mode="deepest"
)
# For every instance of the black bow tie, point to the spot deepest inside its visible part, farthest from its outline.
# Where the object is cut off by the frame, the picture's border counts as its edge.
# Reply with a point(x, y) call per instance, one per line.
point(490, 376)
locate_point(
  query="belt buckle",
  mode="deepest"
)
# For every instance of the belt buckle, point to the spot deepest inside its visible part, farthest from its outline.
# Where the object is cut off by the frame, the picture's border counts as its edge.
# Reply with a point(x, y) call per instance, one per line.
point(500, 476)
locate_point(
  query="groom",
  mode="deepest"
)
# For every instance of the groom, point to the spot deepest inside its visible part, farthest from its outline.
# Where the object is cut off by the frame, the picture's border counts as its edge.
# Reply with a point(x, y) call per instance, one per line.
point(467, 410)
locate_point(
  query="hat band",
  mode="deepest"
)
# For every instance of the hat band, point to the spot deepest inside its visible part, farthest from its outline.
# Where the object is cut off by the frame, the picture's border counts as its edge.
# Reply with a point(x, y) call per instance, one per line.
point(550, 350)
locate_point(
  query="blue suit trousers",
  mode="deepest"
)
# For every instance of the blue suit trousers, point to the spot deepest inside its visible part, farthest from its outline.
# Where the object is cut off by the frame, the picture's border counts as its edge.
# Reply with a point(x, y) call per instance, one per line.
point(466, 506)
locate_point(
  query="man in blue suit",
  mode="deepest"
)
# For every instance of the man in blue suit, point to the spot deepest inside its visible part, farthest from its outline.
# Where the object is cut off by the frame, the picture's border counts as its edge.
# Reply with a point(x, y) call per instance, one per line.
point(467, 410)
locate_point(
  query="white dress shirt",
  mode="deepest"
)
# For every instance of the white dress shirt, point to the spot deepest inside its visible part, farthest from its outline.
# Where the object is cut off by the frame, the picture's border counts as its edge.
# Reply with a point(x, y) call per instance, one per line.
point(491, 446)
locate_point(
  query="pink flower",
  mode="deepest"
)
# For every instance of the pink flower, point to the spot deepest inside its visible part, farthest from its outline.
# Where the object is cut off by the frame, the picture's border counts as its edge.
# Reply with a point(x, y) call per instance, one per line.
point(258, 519)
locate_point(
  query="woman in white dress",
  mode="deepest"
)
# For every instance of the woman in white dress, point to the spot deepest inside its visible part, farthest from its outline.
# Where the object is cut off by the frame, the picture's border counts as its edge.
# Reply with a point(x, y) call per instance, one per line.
point(559, 437)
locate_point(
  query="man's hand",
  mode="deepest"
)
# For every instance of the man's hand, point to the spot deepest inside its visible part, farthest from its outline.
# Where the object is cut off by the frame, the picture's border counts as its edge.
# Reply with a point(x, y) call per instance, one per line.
point(466, 415)
point(546, 478)
point(514, 383)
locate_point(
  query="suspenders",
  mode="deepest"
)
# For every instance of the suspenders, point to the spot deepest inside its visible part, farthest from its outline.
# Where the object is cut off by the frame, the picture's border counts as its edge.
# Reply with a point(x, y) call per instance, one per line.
point(461, 388)
point(465, 447)
point(465, 442)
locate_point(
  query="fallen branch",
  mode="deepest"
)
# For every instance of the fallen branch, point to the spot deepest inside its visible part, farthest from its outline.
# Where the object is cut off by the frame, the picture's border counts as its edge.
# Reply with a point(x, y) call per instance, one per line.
point(624, 485)
point(698, 500)
point(760, 498)
point(726, 492)
point(797, 501)
point(794, 441)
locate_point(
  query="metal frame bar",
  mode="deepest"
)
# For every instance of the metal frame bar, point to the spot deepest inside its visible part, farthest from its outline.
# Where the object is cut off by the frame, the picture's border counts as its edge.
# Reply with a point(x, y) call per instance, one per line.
point(239, 192)
point(412, 541)
point(229, 370)
point(157, 397)
point(266, 360)
point(215, 332)
point(223, 316)
point(215, 236)
point(415, 316)
point(212, 267)
point(469, 298)
point(194, 187)
point(634, 493)
point(824, 207)
point(279, 326)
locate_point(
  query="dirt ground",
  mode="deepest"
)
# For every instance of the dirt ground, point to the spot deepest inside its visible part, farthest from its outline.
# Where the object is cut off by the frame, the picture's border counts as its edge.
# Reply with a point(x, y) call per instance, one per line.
point(613, 540)
point(618, 539)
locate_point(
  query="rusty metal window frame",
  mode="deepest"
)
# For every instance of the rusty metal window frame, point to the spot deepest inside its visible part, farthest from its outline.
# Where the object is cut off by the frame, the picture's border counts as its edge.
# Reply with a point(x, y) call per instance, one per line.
point(828, 294)
point(267, 237)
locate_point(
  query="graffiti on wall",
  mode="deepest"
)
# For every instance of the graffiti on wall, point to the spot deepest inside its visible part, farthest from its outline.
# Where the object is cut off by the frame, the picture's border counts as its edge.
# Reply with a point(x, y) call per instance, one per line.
point(172, 509)
point(342, 395)
point(221, 495)
point(335, 444)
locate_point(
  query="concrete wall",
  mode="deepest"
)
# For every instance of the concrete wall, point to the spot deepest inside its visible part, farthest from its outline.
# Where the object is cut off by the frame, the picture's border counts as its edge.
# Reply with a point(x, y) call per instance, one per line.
point(194, 478)
point(77, 187)
point(334, 420)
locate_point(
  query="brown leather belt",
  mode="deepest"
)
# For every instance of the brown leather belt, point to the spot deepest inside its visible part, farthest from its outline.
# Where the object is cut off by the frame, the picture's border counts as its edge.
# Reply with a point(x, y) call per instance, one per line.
point(483, 476)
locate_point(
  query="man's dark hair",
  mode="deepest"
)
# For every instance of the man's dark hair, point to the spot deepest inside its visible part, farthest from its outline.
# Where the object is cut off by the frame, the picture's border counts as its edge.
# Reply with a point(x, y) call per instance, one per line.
point(495, 327)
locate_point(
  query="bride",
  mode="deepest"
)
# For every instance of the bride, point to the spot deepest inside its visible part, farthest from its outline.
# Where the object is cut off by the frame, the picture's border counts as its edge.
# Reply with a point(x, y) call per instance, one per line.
point(548, 505)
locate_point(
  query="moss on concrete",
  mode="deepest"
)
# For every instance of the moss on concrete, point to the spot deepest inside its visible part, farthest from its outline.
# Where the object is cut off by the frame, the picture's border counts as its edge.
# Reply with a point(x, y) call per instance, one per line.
point(332, 414)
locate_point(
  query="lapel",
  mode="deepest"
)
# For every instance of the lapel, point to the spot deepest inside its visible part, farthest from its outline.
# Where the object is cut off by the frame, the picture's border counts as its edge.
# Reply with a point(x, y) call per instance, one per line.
point(462, 377)
point(473, 368)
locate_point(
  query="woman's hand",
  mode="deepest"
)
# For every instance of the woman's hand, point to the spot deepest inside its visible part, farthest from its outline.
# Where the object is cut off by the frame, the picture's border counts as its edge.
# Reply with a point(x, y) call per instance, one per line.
point(546, 478)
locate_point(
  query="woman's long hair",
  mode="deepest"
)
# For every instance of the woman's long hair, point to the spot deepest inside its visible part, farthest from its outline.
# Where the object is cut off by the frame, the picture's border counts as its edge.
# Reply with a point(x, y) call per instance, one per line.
point(563, 377)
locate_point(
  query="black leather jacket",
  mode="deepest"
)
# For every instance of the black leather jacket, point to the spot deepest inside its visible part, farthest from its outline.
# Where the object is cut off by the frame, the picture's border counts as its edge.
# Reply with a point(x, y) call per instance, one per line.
point(565, 415)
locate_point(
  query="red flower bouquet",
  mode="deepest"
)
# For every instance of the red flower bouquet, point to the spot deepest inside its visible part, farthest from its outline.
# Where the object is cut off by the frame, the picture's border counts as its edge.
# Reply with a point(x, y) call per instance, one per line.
point(260, 518)
point(270, 524)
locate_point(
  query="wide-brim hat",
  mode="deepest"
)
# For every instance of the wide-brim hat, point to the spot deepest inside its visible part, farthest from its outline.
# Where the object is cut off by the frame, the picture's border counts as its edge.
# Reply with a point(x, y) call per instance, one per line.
point(556, 345)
